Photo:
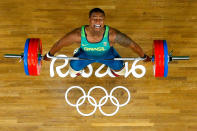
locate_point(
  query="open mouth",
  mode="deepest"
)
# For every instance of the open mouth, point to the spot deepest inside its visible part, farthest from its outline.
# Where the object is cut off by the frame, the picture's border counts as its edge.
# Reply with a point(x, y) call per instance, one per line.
point(97, 26)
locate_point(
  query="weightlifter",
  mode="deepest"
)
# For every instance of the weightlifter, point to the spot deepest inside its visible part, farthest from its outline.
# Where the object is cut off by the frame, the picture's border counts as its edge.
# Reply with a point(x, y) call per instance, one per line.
point(96, 42)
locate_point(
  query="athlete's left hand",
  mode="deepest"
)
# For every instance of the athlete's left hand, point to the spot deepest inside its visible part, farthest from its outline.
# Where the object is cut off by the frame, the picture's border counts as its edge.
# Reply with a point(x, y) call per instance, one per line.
point(146, 58)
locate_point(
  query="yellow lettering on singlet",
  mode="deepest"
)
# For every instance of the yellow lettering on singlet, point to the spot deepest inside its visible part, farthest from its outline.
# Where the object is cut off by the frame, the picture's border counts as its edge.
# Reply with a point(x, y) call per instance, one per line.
point(94, 49)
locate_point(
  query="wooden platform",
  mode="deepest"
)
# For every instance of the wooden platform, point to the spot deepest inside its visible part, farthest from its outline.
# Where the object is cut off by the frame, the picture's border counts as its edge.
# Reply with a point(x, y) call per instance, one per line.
point(157, 104)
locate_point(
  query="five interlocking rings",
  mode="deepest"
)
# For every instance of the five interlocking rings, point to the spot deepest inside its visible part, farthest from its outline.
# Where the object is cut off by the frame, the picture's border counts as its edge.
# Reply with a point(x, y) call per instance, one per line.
point(94, 103)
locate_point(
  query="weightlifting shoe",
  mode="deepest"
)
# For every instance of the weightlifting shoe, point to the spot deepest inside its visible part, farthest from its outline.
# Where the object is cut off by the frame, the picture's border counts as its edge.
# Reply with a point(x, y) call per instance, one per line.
point(74, 72)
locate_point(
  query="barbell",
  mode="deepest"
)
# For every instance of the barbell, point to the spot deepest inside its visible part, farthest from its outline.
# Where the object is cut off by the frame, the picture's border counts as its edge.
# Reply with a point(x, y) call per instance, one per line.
point(32, 57)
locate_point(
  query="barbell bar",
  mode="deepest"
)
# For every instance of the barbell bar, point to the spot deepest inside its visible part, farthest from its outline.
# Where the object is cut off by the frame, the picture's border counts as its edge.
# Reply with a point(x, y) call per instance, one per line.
point(172, 58)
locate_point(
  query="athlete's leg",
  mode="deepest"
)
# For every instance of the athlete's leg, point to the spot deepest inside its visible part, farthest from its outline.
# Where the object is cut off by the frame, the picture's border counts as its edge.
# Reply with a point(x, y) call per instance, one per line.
point(76, 66)
point(117, 66)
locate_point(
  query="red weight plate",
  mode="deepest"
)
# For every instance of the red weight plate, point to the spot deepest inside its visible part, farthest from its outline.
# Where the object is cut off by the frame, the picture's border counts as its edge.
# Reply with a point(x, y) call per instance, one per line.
point(162, 59)
point(37, 49)
point(39, 60)
point(156, 54)
point(157, 50)
point(35, 56)
point(34, 64)
point(30, 62)
point(159, 58)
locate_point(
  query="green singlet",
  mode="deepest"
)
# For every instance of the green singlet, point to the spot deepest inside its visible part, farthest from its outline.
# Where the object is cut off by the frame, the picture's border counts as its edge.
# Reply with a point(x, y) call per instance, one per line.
point(97, 49)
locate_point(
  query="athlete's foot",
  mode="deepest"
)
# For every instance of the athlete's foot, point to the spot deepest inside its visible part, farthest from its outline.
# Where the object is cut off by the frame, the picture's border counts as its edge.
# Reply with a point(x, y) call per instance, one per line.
point(116, 75)
point(78, 74)
point(74, 72)
point(119, 72)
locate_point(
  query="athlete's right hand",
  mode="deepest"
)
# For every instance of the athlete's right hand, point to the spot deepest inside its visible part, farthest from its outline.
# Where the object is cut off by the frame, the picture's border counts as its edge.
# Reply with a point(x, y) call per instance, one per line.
point(46, 58)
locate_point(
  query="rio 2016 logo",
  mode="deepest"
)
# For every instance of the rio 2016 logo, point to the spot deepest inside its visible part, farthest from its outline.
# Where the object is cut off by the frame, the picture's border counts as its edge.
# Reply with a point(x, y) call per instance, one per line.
point(133, 69)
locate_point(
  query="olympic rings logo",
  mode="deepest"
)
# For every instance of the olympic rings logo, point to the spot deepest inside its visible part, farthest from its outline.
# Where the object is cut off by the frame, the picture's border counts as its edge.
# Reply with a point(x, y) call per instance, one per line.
point(94, 103)
point(133, 69)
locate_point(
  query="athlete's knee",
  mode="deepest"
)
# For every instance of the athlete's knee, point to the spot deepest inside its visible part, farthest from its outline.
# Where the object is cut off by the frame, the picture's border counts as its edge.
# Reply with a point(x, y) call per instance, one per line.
point(117, 65)
point(75, 64)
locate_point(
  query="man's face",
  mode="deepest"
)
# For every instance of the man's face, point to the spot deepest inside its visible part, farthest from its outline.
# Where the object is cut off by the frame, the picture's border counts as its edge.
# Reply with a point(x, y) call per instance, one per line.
point(97, 21)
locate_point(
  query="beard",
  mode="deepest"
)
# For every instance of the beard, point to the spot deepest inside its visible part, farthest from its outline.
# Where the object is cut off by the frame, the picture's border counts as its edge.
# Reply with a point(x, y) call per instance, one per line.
point(96, 31)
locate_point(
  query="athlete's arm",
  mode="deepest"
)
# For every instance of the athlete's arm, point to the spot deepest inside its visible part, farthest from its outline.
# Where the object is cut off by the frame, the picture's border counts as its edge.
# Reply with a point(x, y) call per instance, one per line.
point(68, 39)
point(124, 40)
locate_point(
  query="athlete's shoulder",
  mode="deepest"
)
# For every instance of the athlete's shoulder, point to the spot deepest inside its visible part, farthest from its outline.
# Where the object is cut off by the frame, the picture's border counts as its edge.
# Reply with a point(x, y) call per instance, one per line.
point(112, 33)
point(76, 31)
point(113, 30)
point(74, 35)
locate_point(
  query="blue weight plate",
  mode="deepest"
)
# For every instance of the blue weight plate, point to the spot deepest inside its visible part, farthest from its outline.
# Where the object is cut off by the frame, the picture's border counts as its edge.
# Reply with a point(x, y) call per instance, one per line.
point(153, 58)
point(25, 57)
point(165, 46)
